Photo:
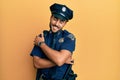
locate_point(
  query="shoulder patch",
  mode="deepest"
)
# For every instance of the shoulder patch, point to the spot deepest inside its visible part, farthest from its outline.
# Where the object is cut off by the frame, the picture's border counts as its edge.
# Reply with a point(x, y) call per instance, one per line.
point(71, 36)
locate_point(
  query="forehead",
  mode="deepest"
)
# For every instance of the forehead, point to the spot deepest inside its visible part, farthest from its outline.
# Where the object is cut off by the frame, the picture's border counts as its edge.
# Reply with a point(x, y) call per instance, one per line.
point(55, 17)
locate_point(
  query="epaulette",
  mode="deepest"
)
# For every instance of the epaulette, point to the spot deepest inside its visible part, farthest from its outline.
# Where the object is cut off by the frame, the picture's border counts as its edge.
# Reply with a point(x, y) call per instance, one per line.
point(71, 36)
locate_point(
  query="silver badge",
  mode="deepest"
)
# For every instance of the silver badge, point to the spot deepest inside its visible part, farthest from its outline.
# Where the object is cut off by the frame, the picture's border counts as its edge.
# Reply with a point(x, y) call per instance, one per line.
point(63, 9)
point(61, 40)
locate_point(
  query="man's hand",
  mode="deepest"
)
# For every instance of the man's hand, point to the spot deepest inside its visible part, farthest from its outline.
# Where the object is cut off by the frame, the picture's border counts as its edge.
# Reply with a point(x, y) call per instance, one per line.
point(38, 39)
point(70, 60)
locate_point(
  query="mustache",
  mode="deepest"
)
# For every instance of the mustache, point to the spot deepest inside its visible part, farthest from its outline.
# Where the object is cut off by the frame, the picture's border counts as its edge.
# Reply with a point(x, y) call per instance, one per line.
point(55, 26)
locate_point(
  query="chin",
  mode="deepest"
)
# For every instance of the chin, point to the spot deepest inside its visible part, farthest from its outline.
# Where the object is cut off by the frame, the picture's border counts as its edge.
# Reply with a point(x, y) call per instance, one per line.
point(54, 31)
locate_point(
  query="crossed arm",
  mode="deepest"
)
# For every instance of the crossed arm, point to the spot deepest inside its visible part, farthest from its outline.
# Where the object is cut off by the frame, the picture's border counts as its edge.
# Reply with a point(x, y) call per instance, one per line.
point(55, 57)
point(42, 63)
point(47, 63)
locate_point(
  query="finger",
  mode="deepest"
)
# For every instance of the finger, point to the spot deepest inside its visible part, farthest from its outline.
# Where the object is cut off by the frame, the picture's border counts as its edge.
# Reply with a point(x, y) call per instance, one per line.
point(40, 35)
point(71, 63)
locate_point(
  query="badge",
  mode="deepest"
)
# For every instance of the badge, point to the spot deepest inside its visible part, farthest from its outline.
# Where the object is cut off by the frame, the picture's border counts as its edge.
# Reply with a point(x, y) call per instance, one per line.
point(63, 9)
point(61, 40)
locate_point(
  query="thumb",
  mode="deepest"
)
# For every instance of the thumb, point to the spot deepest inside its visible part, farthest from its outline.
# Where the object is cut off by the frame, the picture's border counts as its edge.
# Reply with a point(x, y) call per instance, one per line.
point(41, 35)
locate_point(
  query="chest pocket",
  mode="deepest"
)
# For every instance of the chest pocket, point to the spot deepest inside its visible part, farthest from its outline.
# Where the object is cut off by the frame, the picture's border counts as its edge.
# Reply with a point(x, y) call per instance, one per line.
point(59, 43)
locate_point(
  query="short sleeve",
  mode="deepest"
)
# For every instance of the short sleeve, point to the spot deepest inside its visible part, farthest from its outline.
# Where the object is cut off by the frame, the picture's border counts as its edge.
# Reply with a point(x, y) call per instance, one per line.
point(69, 43)
point(36, 51)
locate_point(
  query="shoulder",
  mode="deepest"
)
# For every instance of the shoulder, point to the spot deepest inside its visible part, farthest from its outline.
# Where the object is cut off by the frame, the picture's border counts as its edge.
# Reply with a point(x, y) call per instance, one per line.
point(45, 32)
point(69, 35)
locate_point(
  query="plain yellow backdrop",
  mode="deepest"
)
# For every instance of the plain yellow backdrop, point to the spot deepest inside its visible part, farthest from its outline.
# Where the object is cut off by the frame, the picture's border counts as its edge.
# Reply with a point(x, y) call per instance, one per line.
point(96, 25)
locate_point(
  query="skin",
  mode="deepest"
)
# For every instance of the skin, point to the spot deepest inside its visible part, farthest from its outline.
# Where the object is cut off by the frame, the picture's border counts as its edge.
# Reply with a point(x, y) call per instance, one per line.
point(55, 57)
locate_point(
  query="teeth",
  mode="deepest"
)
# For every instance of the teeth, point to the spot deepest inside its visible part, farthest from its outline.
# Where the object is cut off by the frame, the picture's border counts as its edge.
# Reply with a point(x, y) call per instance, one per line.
point(55, 27)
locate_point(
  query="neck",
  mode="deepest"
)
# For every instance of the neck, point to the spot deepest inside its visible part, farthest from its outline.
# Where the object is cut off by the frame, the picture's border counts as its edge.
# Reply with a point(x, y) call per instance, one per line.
point(56, 33)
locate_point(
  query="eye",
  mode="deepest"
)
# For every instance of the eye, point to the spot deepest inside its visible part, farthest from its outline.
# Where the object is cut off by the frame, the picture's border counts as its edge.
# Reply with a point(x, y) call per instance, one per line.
point(62, 21)
point(55, 18)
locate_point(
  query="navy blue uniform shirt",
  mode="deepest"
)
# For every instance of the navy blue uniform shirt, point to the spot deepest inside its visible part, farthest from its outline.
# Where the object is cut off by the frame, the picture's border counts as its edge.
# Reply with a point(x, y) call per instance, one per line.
point(57, 41)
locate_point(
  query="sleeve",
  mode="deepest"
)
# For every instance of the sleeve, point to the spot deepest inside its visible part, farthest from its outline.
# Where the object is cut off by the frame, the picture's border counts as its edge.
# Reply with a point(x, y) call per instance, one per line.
point(36, 51)
point(69, 43)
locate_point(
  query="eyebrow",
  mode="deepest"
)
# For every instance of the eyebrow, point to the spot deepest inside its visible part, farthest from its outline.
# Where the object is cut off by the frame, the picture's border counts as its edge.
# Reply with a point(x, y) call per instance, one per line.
point(58, 18)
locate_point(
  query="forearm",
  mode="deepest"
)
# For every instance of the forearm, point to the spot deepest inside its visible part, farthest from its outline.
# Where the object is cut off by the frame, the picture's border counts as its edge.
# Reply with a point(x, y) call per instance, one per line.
point(58, 57)
point(42, 63)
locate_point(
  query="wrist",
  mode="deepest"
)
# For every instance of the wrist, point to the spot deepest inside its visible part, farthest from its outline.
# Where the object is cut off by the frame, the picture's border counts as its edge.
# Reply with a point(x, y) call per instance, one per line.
point(40, 43)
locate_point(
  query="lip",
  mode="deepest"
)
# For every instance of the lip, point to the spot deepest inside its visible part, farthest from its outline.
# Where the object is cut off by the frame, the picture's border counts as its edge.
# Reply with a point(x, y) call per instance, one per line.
point(55, 27)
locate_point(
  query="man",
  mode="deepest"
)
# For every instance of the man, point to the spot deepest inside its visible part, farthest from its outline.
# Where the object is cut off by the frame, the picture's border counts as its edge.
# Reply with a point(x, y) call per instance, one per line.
point(53, 49)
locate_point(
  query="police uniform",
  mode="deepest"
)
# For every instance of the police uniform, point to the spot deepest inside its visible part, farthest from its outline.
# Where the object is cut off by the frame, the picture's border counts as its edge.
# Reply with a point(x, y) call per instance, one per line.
point(57, 41)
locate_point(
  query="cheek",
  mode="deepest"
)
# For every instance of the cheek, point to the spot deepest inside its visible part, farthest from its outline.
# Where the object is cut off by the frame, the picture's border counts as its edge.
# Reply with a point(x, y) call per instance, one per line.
point(52, 21)
point(62, 25)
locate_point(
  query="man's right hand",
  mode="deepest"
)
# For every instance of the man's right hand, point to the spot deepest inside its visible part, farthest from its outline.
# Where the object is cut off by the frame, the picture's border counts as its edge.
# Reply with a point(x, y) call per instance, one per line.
point(70, 60)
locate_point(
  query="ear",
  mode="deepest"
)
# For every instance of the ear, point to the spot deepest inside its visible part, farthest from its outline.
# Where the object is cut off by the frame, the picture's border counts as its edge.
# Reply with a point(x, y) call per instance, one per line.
point(51, 17)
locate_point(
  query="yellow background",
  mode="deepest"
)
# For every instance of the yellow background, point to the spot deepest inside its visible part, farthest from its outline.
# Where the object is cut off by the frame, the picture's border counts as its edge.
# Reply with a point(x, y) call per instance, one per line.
point(96, 25)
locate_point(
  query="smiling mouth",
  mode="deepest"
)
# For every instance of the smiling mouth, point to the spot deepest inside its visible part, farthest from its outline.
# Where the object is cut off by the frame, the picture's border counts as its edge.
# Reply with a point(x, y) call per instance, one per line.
point(55, 26)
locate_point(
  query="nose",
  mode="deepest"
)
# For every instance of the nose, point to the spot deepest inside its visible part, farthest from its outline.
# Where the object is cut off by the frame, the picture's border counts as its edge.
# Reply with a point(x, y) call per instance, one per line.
point(57, 23)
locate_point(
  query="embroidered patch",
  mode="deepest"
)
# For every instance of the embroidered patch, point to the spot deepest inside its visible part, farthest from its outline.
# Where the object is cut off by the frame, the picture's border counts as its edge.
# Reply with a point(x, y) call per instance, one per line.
point(71, 36)
point(61, 40)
